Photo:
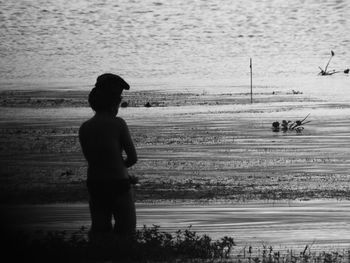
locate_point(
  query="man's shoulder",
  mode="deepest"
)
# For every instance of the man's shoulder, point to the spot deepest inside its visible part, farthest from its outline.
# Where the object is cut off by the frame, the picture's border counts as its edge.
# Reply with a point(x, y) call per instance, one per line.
point(84, 124)
point(84, 127)
point(93, 124)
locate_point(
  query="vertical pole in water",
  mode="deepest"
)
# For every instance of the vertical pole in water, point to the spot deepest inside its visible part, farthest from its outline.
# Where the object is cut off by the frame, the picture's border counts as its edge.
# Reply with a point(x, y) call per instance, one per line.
point(251, 81)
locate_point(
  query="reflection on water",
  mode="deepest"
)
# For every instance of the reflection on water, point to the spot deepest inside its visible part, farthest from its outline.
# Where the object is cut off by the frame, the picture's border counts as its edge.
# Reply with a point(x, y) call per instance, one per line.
point(60, 42)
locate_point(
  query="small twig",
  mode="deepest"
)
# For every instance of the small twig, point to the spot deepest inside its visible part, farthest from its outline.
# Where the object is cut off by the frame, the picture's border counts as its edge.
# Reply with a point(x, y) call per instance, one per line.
point(305, 117)
point(332, 54)
point(322, 71)
point(331, 73)
point(306, 122)
point(293, 126)
point(306, 247)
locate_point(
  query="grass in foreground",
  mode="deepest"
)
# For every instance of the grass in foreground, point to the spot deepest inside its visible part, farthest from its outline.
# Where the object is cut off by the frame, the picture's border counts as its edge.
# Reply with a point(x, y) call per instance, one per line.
point(151, 245)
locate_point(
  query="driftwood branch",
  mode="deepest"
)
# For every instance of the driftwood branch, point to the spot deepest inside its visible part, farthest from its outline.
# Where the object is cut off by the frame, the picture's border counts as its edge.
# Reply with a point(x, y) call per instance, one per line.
point(324, 71)
point(332, 55)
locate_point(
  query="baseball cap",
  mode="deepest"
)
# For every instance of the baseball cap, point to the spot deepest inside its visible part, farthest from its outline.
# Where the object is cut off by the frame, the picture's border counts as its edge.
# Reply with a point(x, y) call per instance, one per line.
point(112, 82)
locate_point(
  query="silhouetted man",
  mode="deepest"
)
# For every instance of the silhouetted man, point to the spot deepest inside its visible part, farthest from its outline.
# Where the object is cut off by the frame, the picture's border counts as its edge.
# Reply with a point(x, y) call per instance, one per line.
point(103, 139)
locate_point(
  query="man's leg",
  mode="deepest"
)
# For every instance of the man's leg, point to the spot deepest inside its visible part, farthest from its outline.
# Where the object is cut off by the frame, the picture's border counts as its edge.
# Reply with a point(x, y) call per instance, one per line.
point(101, 220)
point(124, 214)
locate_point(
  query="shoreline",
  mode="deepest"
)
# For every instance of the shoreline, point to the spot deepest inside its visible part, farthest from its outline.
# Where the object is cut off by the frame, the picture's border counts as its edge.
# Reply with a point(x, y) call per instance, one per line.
point(157, 98)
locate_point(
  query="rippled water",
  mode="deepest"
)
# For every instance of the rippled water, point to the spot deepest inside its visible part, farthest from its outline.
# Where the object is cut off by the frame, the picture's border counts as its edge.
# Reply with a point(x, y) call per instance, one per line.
point(320, 224)
point(171, 44)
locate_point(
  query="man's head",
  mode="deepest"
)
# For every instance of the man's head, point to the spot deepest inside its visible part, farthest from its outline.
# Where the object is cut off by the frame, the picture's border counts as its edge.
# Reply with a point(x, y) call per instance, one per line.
point(111, 81)
point(107, 92)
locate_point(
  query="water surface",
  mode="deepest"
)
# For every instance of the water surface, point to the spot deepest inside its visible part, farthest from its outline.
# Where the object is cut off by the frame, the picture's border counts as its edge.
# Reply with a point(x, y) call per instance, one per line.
point(285, 224)
point(172, 44)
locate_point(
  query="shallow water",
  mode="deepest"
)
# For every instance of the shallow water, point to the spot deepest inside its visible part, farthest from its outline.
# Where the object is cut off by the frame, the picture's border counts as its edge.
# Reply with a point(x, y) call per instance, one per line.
point(174, 44)
point(190, 152)
point(284, 224)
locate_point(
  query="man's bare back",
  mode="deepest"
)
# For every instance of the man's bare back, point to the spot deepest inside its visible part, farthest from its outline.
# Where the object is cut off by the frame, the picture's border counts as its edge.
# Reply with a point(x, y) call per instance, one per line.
point(103, 139)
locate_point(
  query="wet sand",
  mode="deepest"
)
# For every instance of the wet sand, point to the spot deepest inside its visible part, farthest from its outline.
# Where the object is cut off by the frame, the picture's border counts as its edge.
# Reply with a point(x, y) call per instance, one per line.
point(284, 225)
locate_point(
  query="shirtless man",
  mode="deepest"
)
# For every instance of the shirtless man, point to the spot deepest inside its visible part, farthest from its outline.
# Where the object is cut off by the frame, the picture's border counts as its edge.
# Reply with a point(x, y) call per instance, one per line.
point(103, 139)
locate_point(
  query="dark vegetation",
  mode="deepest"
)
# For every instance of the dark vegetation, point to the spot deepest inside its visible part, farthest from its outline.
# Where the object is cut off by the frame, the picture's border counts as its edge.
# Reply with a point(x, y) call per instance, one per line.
point(285, 126)
point(151, 244)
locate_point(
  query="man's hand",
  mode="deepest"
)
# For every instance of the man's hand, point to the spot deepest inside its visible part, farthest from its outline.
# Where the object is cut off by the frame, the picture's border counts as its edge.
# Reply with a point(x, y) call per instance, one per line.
point(133, 179)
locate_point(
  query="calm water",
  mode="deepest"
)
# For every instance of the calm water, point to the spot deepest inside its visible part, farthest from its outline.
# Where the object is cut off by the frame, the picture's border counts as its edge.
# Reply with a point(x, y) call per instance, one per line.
point(173, 44)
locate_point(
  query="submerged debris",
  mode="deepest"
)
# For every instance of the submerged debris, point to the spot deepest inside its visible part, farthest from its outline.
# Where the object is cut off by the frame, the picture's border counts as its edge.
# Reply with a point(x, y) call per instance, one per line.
point(289, 125)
